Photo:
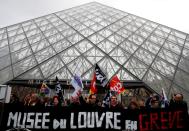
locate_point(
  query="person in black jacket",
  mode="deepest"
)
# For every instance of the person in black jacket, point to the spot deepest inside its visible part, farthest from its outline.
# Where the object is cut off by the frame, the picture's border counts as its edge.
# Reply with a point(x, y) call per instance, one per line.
point(92, 103)
point(114, 104)
point(178, 102)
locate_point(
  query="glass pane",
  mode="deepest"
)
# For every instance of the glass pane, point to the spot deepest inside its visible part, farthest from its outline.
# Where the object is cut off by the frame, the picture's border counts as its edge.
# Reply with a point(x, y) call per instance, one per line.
point(106, 46)
point(75, 38)
point(35, 38)
point(44, 54)
point(33, 74)
point(116, 39)
point(144, 56)
point(62, 74)
point(69, 55)
point(182, 79)
point(108, 67)
point(51, 66)
point(163, 67)
point(16, 56)
point(156, 81)
point(94, 55)
point(136, 67)
point(55, 38)
point(83, 46)
point(3, 43)
point(119, 55)
point(4, 51)
point(18, 45)
point(173, 47)
point(150, 46)
point(136, 39)
point(96, 38)
point(169, 56)
point(16, 38)
point(184, 64)
point(79, 66)
point(23, 66)
point(4, 61)
point(123, 75)
point(61, 45)
point(128, 46)
point(6, 75)
point(39, 45)
point(86, 32)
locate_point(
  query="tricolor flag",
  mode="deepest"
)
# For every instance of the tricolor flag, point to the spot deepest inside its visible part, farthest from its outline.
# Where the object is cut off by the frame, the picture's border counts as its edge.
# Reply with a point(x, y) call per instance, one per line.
point(116, 85)
point(100, 76)
point(59, 90)
point(93, 89)
point(77, 82)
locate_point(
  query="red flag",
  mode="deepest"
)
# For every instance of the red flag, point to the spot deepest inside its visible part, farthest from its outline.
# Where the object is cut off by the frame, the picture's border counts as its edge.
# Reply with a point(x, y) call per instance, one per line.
point(93, 88)
point(116, 85)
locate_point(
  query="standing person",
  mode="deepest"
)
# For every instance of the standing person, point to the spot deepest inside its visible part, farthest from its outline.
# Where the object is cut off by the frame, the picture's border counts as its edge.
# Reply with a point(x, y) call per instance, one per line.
point(141, 103)
point(34, 100)
point(75, 103)
point(153, 102)
point(56, 101)
point(133, 105)
point(114, 104)
point(92, 104)
point(177, 101)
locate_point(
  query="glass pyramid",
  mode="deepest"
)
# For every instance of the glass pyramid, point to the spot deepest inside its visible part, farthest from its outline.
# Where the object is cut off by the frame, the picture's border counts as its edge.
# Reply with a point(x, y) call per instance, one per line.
point(73, 40)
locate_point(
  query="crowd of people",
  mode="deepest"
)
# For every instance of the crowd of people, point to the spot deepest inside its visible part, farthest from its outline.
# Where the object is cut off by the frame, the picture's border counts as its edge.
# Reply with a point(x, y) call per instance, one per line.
point(92, 102)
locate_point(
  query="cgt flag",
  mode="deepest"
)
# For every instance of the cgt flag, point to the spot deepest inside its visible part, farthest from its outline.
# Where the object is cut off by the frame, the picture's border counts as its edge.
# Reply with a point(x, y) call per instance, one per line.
point(59, 90)
point(93, 89)
point(116, 85)
point(100, 76)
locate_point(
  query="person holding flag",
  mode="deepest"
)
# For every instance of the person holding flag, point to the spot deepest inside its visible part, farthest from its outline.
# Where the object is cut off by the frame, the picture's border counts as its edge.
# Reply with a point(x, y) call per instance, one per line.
point(77, 100)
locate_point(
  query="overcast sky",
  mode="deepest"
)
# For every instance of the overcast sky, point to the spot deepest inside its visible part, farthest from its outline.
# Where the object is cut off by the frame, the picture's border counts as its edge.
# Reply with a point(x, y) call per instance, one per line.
point(173, 13)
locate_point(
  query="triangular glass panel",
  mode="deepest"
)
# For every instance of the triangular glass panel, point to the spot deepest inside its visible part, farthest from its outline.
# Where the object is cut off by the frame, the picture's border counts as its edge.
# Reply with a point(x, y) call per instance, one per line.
point(51, 66)
point(69, 55)
point(106, 46)
point(109, 67)
point(124, 75)
point(32, 74)
point(79, 66)
point(83, 46)
point(61, 74)
point(156, 81)
point(94, 55)
point(119, 55)
point(136, 67)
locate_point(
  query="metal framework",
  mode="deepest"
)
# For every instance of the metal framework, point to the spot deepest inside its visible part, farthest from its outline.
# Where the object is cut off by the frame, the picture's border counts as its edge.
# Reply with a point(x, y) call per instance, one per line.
point(73, 40)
